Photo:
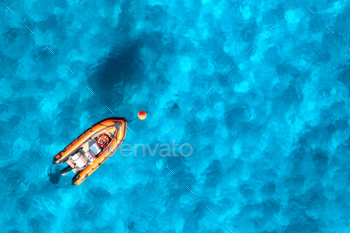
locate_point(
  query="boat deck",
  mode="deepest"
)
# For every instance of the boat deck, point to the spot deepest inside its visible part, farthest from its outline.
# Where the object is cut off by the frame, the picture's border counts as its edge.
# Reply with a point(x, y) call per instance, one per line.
point(91, 149)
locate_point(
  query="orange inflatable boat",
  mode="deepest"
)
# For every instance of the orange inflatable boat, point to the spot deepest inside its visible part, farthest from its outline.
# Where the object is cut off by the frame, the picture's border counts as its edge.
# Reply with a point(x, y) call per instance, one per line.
point(91, 149)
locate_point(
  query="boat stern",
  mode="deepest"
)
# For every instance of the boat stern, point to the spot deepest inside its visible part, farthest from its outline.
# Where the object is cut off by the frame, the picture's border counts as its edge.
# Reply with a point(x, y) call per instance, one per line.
point(76, 180)
point(57, 159)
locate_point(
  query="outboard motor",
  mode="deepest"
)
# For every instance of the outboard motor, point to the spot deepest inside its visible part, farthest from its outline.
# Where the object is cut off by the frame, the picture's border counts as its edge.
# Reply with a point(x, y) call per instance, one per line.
point(76, 162)
point(79, 160)
point(65, 170)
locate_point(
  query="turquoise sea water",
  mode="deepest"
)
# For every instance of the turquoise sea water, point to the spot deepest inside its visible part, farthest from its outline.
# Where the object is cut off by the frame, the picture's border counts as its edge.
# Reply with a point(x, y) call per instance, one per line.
point(270, 139)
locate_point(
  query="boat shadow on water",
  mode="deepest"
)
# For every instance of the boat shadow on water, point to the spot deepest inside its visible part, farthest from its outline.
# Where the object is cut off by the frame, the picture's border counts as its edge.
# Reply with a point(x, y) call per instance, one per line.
point(54, 175)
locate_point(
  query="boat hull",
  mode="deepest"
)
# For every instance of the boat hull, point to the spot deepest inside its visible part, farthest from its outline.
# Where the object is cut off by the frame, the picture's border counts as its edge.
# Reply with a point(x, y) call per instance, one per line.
point(119, 123)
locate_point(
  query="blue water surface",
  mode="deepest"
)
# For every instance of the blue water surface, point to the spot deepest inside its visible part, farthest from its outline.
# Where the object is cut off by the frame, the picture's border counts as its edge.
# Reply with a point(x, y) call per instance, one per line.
point(269, 85)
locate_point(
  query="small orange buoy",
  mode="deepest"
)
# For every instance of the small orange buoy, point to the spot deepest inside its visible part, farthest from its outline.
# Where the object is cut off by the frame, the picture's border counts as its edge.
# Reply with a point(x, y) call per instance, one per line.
point(142, 115)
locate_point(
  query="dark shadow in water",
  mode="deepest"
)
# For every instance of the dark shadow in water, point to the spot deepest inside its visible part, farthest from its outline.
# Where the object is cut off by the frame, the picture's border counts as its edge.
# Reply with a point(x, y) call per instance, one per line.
point(54, 175)
point(120, 66)
point(23, 205)
point(15, 231)
point(130, 225)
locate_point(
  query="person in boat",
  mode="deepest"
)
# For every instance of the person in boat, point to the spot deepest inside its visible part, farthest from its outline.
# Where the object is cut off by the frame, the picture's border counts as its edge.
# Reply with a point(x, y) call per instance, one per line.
point(103, 140)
